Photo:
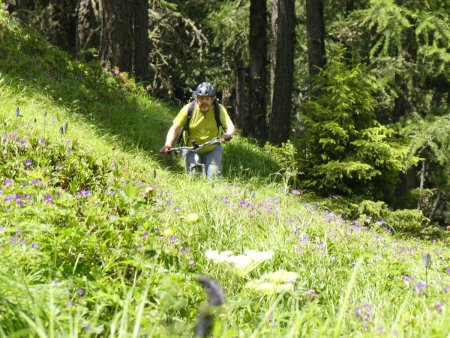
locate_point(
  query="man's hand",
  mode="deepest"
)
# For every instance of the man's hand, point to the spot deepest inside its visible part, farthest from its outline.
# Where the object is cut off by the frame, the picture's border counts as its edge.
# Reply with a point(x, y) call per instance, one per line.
point(165, 150)
point(226, 138)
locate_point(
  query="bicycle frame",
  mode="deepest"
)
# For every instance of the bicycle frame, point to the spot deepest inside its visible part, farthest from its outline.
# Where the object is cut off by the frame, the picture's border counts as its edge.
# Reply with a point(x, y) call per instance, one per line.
point(198, 166)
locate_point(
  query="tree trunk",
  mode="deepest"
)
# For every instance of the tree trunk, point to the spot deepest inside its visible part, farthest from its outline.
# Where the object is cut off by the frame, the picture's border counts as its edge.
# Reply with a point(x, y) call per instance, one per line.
point(56, 19)
point(141, 42)
point(116, 34)
point(240, 97)
point(88, 26)
point(282, 74)
point(316, 36)
point(256, 123)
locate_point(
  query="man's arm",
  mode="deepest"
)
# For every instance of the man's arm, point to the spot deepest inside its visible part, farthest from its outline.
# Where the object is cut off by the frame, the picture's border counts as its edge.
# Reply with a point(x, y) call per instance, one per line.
point(172, 135)
point(230, 128)
point(170, 138)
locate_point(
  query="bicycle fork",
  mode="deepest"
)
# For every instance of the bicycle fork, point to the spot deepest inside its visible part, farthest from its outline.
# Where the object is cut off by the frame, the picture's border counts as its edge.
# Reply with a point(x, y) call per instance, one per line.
point(198, 166)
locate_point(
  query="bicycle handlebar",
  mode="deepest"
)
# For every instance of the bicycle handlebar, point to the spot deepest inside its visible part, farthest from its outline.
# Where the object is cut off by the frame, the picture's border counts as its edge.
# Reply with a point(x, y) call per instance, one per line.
point(196, 146)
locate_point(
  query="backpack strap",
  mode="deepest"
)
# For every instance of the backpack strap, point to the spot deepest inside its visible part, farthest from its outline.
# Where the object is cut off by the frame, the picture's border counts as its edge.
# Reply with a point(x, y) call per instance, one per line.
point(185, 128)
point(189, 117)
point(217, 115)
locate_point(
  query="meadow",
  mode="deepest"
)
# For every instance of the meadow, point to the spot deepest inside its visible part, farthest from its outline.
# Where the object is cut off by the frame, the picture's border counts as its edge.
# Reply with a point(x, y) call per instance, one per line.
point(101, 237)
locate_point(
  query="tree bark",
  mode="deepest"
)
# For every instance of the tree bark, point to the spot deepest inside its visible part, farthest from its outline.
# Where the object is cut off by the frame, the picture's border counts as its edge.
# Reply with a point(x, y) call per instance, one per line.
point(255, 123)
point(116, 34)
point(56, 19)
point(316, 36)
point(282, 69)
point(240, 97)
point(88, 26)
point(141, 42)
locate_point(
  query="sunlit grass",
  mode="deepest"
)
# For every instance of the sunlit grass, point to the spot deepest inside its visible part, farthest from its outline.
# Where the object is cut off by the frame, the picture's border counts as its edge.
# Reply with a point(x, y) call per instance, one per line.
point(87, 249)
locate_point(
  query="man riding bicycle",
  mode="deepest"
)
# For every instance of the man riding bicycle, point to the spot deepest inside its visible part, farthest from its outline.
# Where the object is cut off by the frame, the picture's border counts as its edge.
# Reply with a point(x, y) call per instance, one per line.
point(201, 121)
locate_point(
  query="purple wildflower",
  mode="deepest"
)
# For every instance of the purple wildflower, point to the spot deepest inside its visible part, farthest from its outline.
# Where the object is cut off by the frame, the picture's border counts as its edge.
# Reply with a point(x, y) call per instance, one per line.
point(28, 163)
point(42, 142)
point(48, 198)
point(173, 238)
point(8, 182)
point(420, 287)
point(80, 292)
point(439, 307)
point(304, 239)
point(185, 250)
point(295, 192)
point(271, 321)
point(36, 182)
point(381, 330)
point(363, 312)
point(310, 292)
point(145, 235)
point(85, 193)
point(35, 245)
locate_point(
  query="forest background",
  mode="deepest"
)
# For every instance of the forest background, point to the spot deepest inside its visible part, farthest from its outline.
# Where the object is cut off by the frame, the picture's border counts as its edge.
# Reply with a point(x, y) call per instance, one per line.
point(354, 94)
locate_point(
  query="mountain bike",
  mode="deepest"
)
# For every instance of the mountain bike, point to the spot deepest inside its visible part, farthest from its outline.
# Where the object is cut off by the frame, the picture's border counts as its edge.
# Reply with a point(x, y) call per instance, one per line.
point(198, 166)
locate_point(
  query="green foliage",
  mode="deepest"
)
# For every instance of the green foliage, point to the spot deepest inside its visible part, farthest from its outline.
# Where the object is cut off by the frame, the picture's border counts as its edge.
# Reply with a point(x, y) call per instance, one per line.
point(286, 157)
point(377, 214)
point(406, 220)
point(119, 257)
point(344, 148)
point(433, 36)
point(430, 140)
point(408, 50)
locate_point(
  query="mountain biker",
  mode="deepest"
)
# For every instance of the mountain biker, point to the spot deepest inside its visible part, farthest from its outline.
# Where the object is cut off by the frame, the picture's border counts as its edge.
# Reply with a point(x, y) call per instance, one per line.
point(202, 128)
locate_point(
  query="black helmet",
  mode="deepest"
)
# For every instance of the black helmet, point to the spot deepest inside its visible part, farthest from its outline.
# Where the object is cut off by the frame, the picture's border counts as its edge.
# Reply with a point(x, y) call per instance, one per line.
point(205, 89)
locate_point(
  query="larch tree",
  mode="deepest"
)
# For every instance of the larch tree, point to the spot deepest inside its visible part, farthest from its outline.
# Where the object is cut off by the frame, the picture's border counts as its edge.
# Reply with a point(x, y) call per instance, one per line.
point(141, 39)
point(282, 70)
point(315, 29)
point(116, 34)
point(256, 124)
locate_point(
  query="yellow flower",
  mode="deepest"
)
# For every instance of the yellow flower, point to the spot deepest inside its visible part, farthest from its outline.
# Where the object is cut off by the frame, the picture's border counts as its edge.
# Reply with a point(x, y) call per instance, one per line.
point(149, 191)
point(167, 233)
point(192, 217)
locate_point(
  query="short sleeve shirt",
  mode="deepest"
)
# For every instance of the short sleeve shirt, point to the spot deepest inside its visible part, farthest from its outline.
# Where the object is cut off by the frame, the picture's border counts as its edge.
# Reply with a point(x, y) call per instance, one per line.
point(203, 126)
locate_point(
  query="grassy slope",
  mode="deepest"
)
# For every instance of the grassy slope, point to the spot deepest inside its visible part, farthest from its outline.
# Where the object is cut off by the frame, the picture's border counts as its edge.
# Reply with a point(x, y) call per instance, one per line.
point(83, 251)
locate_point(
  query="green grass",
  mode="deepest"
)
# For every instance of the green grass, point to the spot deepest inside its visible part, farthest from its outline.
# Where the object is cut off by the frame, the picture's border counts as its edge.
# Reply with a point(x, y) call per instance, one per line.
point(85, 252)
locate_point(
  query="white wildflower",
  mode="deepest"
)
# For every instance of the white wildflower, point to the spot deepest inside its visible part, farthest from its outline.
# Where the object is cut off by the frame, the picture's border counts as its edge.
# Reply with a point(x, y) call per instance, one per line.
point(269, 288)
point(280, 276)
point(240, 264)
